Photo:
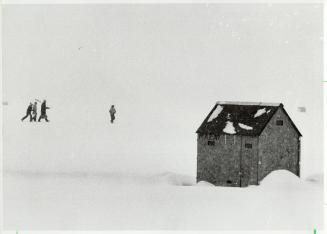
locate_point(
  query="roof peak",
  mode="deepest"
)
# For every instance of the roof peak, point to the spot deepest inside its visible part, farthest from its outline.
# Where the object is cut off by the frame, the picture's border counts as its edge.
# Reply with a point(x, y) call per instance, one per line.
point(248, 103)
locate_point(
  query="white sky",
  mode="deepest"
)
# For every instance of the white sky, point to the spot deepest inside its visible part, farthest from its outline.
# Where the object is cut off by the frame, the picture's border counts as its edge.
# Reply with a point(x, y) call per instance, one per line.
point(164, 67)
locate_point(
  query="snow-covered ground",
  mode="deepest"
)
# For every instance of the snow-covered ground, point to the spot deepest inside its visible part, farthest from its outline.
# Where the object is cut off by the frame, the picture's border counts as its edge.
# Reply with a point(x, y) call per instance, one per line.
point(94, 175)
point(161, 201)
point(163, 69)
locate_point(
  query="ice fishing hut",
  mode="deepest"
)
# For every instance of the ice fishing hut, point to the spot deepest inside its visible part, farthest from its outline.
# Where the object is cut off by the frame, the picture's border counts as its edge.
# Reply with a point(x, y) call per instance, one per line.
point(239, 143)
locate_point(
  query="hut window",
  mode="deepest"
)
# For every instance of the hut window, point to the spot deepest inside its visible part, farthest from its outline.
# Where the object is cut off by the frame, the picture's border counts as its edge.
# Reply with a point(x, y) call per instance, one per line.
point(247, 145)
point(279, 123)
point(211, 143)
point(229, 182)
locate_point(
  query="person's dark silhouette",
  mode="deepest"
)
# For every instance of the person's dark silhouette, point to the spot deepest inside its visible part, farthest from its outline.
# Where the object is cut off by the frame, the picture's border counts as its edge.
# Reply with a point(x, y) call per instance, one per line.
point(112, 112)
point(34, 112)
point(28, 112)
point(44, 111)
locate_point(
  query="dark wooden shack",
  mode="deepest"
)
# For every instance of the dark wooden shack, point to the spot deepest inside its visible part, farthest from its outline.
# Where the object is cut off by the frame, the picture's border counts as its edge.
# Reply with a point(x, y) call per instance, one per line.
point(238, 144)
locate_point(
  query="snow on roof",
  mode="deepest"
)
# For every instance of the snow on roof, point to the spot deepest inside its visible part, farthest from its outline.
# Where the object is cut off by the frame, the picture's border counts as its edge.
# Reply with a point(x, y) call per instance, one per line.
point(215, 113)
point(236, 114)
point(240, 114)
point(260, 112)
point(247, 103)
point(229, 128)
point(246, 127)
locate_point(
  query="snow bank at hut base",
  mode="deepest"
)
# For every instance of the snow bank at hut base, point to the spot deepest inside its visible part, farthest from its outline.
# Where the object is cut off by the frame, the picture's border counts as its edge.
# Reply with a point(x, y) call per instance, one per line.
point(119, 201)
point(281, 179)
point(204, 184)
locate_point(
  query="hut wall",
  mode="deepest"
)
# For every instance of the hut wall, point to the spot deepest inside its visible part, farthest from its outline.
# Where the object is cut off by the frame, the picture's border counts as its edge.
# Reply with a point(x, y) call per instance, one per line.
point(279, 147)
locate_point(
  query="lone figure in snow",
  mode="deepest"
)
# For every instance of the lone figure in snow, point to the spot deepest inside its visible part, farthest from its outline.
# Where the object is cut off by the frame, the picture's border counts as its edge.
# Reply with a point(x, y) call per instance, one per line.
point(112, 112)
point(44, 111)
point(28, 112)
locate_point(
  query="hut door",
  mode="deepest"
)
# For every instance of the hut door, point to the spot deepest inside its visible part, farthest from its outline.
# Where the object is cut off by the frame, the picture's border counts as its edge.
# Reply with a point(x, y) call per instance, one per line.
point(245, 165)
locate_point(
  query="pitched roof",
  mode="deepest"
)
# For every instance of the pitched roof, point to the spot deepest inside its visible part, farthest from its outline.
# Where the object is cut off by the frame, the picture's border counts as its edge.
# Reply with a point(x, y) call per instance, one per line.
point(240, 118)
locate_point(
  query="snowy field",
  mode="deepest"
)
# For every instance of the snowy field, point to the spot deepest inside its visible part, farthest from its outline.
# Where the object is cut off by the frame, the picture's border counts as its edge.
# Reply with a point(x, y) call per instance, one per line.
point(163, 69)
point(162, 201)
point(53, 181)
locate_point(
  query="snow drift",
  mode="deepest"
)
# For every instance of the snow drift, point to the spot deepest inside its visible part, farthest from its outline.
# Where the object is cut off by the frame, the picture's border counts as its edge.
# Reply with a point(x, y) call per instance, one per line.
point(170, 178)
point(281, 178)
point(158, 201)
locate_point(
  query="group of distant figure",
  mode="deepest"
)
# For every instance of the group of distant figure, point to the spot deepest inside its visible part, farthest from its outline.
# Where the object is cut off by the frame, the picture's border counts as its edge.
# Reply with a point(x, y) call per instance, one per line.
point(32, 111)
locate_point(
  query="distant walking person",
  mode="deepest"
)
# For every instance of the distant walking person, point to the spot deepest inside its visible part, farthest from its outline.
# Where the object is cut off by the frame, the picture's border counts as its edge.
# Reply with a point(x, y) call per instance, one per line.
point(28, 112)
point(34, 112)
point(112, 112)
point(44, 111)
